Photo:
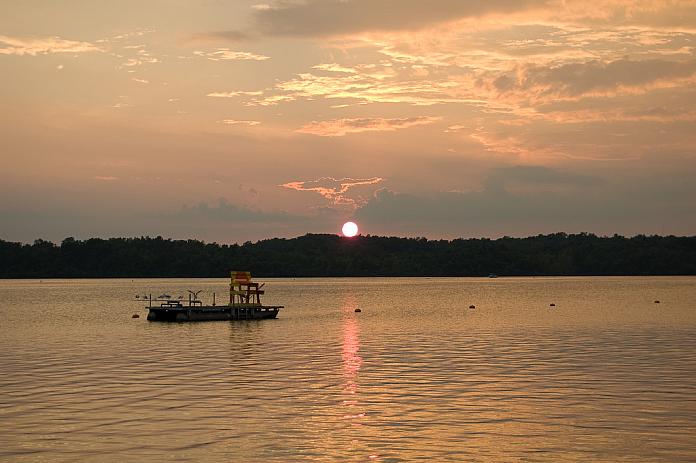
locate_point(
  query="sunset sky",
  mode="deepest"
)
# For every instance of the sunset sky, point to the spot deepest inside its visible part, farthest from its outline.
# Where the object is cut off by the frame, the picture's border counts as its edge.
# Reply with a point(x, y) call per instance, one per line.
point(241, 120)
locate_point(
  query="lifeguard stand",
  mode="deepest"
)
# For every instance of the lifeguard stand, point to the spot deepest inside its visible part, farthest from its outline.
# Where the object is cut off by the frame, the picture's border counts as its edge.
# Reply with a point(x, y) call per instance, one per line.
point(243, 291)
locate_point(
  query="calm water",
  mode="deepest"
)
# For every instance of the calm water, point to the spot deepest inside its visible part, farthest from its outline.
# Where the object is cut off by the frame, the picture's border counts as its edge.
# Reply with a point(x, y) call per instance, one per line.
point(606, 375)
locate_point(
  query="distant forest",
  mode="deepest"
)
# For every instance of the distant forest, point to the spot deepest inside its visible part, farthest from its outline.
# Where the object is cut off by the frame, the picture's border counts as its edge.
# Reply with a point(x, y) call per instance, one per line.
point(331, 255)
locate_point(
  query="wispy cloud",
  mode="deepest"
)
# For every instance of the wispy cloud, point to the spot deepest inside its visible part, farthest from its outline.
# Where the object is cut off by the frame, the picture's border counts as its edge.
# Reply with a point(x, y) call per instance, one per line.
point(41, 46)
point(333, 67)
point(341, 127)
point(142, 56)
point(132, 34)
point(341, 18)
point(227, 212)
point(496, 69)
point(218, 36)
point(335, 190)
point(223, 54)
point(657, 114)
point(233, 94)
point(592, 78)
point(238, 122)
point(371, 83)
point(527, 146)
point(319, 18)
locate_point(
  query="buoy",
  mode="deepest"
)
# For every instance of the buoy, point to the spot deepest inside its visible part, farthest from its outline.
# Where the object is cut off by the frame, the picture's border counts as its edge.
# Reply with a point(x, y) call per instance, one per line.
point(552, 305)
point(472, 306)
point(135, 315)
point(358, 310)
point(657, 302)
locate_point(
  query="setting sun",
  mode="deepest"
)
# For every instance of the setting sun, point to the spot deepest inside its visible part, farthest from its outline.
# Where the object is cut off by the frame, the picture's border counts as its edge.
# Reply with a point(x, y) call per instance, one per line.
point(350, 229)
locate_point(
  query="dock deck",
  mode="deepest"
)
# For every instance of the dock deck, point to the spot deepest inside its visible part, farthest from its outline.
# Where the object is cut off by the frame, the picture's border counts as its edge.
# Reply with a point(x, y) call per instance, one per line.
point(203, 313)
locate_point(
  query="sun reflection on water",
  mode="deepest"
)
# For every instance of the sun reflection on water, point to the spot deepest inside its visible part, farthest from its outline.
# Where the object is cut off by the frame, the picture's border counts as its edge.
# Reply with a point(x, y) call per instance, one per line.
point(351, 358)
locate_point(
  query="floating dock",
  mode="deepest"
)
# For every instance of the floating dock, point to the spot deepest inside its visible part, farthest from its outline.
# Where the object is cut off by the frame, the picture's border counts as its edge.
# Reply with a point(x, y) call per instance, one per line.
point(211, 312)
point(245, 304)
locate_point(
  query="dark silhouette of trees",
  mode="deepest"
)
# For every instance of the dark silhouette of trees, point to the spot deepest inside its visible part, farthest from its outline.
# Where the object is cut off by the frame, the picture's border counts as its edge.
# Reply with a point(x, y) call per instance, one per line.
point(331, 255)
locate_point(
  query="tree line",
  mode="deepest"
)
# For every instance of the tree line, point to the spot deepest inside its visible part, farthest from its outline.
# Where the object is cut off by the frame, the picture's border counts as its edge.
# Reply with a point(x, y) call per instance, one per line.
point(317, 255)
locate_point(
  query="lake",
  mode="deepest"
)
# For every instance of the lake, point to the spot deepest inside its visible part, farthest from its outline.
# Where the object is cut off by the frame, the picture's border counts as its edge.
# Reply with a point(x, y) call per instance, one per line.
point(605, 375)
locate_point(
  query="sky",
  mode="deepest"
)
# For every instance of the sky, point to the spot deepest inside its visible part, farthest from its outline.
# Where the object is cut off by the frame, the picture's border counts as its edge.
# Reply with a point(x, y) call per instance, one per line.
point(241, 120)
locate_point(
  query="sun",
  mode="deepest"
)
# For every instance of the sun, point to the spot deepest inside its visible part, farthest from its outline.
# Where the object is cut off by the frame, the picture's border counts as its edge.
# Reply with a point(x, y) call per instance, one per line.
point(350, 229)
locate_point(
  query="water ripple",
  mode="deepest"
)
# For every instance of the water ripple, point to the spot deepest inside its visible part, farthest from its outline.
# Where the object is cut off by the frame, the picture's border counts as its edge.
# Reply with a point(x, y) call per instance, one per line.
point(606, 376)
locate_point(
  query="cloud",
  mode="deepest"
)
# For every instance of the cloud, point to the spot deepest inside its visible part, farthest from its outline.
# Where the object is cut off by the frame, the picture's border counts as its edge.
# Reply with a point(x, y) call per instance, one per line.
point(341, 127)
point(498, 70)
point(224, 54)
point(660, 114)
point(42, 46)
point(237, 122)
point(655, 13)
point(543, 141)
point(133, 34)
point(334, 67)
point(219, 36)
point(232, 94)
point(445, 211)
point(334, 190)
point(340, 17)
point(224, 211)
point(343, 18)
point(524, 200)
point(142, 56)
point(370, 83)
point(504, 178)
point(593, 78)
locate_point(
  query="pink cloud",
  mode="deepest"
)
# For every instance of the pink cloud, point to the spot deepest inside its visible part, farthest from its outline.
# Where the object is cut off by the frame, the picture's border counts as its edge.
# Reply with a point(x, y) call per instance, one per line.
point(333, 189)
point(42, 46)
point(341, 127)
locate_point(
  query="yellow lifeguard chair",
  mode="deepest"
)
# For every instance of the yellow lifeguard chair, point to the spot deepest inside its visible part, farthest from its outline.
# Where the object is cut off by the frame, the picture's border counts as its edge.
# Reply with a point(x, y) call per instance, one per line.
point(243, 291)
